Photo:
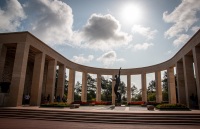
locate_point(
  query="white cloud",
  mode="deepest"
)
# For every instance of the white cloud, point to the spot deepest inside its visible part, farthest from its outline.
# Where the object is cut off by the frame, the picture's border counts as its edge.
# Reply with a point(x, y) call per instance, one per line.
point(143, 46)
point(183, 17)
point(11, 16)
point(102, 32)
point(109, 58)
point(195, 28)
point(144, 31)
point(81, 59)
point(181, 39)
point(169, 52)
point(50, 20)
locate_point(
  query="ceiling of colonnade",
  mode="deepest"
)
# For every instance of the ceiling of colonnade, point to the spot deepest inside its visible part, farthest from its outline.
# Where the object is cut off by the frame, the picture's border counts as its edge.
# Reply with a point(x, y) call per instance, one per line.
point(106, 33)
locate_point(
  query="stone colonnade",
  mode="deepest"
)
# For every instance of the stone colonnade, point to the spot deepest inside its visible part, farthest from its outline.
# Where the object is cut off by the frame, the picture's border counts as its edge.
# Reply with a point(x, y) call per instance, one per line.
point(31, 62)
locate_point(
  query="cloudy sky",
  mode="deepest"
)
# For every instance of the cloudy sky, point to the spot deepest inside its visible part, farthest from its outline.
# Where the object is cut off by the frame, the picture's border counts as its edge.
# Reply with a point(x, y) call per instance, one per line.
point(106, 33)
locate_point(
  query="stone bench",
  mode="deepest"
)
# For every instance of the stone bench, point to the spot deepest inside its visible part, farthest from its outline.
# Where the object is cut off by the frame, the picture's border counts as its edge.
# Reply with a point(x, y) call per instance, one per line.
point(72, 106)
point(150, 107)
point(92, 104)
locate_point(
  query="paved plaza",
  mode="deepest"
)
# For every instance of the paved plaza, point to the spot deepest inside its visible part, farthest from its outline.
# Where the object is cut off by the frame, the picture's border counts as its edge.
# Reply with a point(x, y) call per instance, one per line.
point(101, 108)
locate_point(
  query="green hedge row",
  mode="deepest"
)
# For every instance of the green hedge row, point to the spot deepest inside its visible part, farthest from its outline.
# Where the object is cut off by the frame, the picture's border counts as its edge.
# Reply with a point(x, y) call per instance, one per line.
point(171, 106)
point(55, 104)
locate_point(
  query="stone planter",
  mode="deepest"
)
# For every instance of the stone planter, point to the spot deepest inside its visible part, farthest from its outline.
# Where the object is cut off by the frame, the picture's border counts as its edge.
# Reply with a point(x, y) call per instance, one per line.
point(150, 107)
point(72, 106)
point(92, 104)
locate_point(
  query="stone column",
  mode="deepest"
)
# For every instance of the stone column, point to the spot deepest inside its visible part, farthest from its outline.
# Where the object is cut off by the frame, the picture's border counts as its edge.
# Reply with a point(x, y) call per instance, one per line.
point(70, 96)
point(98, 92)
point(3, 51)
point(196, 56)
point(171, 85)
point(158, 87)
point(61, 80)
point(113, 92)
point(180, 83)
point(84, 87)
point(190, 83)
point(51, 77)
point(144, 87)
point(18, 75)
point(128, 88)
point(37, 79)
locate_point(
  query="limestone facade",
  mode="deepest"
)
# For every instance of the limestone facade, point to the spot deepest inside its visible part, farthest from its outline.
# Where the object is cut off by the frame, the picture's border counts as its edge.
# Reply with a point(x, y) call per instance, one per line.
point(30, 67)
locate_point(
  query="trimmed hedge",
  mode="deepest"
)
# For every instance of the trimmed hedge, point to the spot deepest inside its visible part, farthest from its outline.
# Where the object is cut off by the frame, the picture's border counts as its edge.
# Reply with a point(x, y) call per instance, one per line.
point(136, 103)
point(103, 103)
point(91, 103)
point(55, 104)
point(172, 107)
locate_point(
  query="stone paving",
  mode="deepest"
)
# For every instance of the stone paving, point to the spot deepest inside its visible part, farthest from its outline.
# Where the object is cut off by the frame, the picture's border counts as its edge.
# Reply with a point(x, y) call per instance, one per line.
point(123, 109)
point(117, 108)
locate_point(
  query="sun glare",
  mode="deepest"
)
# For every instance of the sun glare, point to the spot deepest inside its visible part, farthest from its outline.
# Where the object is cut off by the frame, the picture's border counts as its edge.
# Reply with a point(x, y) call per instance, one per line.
point(131, 13)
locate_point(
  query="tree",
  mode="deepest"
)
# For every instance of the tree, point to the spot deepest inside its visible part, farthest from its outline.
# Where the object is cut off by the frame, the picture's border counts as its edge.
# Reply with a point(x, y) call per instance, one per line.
point(122, 90)
point(165, 87)
point(152, 86)
point(151, 95)
point(165, 82)
point(56, 82)
point(138, 96)
point(77, 91)
point(134, 91)
point(65, 84)
point(106, 86)
point(77, 88)
point(91, 88)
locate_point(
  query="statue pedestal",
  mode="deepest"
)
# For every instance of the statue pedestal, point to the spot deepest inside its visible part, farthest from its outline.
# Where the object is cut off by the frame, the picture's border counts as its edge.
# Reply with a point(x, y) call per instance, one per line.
point(117, 103)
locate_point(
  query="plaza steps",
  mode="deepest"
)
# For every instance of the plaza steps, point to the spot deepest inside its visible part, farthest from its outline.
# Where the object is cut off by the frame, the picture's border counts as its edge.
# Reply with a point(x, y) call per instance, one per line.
point(103, 117)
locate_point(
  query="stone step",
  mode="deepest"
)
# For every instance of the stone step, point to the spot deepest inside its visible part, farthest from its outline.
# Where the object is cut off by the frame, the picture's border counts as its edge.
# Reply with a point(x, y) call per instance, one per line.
point(102, 117)
point(113, 121)
point(103, 114)
point(130, 116)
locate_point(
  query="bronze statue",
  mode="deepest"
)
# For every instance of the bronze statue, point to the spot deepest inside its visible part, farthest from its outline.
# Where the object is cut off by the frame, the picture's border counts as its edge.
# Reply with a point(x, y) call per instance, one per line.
point(117, 82)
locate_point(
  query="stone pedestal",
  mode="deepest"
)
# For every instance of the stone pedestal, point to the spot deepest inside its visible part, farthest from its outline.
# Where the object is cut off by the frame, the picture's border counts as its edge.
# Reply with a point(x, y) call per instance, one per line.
point(117, 103)
point(150, 107)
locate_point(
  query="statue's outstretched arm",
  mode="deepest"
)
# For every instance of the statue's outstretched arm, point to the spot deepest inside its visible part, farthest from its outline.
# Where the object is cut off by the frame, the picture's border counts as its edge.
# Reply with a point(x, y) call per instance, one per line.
point(119, 72)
